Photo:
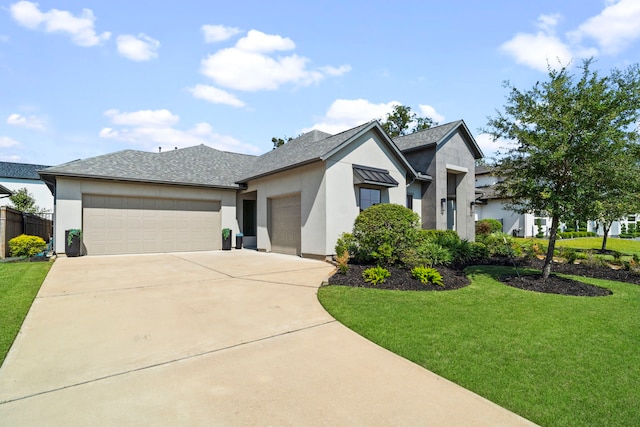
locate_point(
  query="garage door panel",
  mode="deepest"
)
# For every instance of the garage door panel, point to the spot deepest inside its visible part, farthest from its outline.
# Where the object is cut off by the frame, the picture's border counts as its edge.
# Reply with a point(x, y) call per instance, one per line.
point(285, 225)
point(118, 224)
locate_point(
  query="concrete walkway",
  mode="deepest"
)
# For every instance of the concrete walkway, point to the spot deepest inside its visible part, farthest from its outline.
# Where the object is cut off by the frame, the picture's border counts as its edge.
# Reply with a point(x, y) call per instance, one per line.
point(211, 338)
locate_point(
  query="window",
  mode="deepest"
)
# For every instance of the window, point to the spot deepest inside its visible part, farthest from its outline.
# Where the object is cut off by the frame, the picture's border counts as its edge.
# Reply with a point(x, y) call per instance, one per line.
point(249, 217)
point(369, 197)
point(410, 201)
point(631, 218)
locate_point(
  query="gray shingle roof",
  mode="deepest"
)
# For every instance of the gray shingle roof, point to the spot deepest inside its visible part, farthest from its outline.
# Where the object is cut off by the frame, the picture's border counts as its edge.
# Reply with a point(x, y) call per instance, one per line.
point(306, 148)
point(20, 170)
point(425, 137)
point(434, 135)
point(200, 165)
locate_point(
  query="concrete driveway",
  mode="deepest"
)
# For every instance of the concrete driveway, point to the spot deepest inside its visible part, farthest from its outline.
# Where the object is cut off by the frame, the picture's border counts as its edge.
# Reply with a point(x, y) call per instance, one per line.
point(211, 338)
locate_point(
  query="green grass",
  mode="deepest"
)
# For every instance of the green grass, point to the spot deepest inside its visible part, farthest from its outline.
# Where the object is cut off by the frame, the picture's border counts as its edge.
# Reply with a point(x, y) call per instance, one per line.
point(626, 246)
point(556, 360)
point(19, 284)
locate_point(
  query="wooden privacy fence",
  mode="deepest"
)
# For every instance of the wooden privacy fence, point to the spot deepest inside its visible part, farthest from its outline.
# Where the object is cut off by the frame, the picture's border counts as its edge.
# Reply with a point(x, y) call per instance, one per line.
point(14, 223)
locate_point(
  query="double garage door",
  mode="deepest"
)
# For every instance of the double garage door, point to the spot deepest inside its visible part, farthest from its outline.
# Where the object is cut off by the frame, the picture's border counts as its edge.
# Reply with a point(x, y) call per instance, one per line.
point(130, 225)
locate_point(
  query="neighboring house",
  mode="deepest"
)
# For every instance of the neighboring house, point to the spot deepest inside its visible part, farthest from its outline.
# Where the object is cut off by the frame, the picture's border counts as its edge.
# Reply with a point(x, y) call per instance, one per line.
point(490, 205)
point(14, 176)
point(296, 199)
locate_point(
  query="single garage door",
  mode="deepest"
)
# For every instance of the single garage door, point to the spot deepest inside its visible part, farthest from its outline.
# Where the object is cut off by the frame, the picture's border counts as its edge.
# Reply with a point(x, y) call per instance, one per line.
point(285, 225)
point(133, 225)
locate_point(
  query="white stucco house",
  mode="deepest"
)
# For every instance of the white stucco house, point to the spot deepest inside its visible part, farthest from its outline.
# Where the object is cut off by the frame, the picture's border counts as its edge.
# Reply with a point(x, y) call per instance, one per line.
point(14, 176)
point(296, 199)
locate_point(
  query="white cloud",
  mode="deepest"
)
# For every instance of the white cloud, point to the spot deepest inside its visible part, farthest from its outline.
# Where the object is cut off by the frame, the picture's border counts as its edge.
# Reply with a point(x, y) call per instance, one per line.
point(344, 114)
point(215, 95)
point(614, 28)
point(6, 142)
point(218, 33)
point(30, 122)
point(147, 118)
point(489, 147)
point(80, 28)
point(10, 158)
point(138, 48)
point(540, 50)
point(257, 41)
point(429, 111)
point(153, 128)
point(248, 66)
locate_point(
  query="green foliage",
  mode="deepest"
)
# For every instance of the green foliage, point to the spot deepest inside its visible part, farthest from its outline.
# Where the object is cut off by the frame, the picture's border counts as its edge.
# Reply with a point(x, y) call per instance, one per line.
point(569, 133)
point(488, 226)
point(346, 243)
point(384, 254)
point(375, 275)
point(75, 232)
point(24, 201)
point(398, 122)
point(277, 142)
point(393, 225)
point(427, 253)
point(26, 246)
point(427, 275)
point(479, 252)
point(226, 232)
point(500, 244)
point(343, 262)
point(569, 254)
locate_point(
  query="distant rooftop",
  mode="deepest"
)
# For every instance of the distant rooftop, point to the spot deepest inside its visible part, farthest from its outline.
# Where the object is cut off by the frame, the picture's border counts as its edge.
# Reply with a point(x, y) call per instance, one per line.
point(20, 170)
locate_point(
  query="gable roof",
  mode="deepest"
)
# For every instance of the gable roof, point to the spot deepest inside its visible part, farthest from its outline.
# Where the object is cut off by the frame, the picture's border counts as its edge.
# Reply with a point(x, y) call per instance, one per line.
point(435, 135)
point(199, 165)
point(311, 147)
point(20, 170)
point(4, 191)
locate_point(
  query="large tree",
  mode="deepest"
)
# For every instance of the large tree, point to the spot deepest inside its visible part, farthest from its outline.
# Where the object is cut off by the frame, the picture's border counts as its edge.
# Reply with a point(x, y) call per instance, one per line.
point(24, 201)
point(568, 135)
point(402, 121)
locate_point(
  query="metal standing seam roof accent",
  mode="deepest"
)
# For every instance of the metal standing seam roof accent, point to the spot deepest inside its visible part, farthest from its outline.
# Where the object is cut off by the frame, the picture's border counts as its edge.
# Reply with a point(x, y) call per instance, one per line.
point(373, 176)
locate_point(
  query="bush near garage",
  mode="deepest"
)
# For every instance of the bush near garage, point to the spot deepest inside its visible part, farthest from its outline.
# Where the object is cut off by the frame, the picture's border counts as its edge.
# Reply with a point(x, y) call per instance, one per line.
point(26, 245)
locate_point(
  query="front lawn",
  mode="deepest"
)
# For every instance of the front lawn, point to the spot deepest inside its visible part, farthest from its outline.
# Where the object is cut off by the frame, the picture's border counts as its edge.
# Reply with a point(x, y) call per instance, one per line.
point(625, 246)
point(556, 360)
point(19, 284)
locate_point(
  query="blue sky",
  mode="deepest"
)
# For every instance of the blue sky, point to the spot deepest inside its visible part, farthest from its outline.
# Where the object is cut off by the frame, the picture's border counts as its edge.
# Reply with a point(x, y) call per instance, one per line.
point(84, 78)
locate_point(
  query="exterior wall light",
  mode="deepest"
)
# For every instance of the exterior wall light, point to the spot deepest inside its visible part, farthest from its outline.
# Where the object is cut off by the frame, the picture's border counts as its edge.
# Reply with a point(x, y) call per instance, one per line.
point(443, 204)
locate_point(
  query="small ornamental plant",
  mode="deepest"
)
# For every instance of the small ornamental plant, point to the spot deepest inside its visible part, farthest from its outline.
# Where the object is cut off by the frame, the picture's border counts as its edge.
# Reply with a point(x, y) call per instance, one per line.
point(73, 232)
point(343, 262)
point(375, 275)
point(427, 275)
point(26, 246)
point(226, 232)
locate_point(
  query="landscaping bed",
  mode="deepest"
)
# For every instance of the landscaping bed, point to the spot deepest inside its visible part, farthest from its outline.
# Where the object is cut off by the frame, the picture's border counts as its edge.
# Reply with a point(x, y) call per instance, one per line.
point(454, 278)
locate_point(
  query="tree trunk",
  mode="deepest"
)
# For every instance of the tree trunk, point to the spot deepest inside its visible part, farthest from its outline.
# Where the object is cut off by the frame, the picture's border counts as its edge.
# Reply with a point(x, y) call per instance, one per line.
point(553, 233)
point(605, 229)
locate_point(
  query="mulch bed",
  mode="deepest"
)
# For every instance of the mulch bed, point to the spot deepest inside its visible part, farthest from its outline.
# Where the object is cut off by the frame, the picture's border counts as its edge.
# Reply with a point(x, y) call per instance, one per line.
point(454, 278)
point(400, 279)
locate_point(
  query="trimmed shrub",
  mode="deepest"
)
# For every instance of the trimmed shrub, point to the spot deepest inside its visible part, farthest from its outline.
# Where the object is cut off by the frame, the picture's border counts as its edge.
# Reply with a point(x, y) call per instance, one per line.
point(500, 244)
point(488, 226)
point(345, 243)
point(479, 252)
point(389, 224)
point(375, 275)
point(569, 254)
point(26, 246)
point(427, 275)
point(428, 254)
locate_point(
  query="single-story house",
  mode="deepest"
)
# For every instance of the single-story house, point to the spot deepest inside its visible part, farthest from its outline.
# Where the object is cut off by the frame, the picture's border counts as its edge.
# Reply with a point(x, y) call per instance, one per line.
point(14, 176)
point(296, 199)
